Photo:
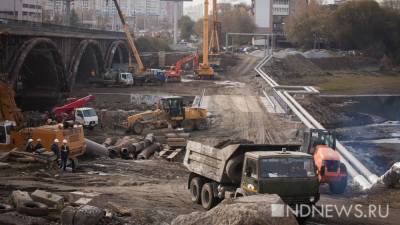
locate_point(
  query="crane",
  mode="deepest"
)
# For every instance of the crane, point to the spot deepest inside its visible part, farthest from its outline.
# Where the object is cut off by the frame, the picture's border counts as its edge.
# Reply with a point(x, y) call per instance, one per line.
point(205, 71)
point(140, 69)
point(214, 42)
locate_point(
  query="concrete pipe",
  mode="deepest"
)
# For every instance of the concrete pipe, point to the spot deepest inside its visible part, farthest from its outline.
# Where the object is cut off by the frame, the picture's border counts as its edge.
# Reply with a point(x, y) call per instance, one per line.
point(149, 151)
point(95, 149)
point(149, 139)
point(138, 147)
point(107, 142)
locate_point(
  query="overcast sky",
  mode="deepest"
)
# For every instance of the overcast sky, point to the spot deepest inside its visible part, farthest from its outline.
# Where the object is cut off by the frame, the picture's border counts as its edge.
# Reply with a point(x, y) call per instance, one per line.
point(195, 2)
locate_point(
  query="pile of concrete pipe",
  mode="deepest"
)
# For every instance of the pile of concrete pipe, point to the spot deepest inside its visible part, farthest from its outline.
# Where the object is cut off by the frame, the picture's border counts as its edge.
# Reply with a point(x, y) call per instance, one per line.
point(131, 148)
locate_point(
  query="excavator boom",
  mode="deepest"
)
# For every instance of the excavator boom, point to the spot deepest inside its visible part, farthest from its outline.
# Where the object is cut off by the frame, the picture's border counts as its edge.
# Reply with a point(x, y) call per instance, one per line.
point(8, 107)
point(130, 39)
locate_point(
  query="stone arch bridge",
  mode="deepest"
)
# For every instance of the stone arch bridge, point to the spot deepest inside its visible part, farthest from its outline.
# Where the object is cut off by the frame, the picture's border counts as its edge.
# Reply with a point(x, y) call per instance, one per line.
point(45, 62)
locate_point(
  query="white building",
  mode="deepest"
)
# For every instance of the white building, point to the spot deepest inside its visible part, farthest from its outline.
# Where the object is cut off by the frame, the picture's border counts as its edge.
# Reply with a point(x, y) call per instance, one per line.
point(29, 10)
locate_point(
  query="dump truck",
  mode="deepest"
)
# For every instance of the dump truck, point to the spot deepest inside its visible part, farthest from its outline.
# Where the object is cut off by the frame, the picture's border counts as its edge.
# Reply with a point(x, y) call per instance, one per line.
point(114, 78)
point(247, 169)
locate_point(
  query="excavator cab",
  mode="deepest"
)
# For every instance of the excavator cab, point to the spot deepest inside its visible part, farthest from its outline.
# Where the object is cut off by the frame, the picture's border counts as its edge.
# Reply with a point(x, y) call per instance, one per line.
point(318, 137)
point(173, 106)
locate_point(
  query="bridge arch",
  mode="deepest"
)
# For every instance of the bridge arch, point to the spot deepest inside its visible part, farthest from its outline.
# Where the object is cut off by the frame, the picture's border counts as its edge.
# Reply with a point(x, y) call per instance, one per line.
point(37, 73)
point(86, 62)
point(117, 53)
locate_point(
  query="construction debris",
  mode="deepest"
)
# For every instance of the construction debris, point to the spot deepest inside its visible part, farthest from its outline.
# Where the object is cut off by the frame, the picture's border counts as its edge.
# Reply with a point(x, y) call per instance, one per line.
point(255, 209)
point(83, 215)
point(50, 199)
point(118, 209)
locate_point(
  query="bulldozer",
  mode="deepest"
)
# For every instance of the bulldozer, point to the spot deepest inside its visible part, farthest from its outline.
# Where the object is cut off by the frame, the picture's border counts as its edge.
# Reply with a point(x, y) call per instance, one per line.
point(15, 134)
point(170, 110)
point(322, 145)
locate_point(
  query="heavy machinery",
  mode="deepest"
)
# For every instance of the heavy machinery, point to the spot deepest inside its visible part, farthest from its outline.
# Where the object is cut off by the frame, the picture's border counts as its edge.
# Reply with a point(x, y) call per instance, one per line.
point(322, 145)
point(205, 71)
point(170, 110)
point(74, 111)
point(214, 41)
point(114, 78)
point(248, 169)
point(140, 74)
point(14, 134)
point(174, 73)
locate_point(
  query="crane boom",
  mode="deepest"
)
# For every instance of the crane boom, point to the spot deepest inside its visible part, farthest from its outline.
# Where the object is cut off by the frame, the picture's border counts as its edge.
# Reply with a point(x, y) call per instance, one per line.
point(214, 42)
point(205, 71)
point(8, 107)
point(130, 39)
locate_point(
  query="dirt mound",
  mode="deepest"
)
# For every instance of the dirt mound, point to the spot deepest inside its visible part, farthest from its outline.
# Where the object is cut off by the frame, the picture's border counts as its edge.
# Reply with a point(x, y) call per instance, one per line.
point(254, 210)
point(292, 67)
point(344, 63)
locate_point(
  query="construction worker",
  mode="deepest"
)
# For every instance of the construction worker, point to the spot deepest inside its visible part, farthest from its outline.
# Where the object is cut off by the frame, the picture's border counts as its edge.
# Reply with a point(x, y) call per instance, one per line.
point(29, 147)
point(64, 154)
point(38, 144)
point(56, 150)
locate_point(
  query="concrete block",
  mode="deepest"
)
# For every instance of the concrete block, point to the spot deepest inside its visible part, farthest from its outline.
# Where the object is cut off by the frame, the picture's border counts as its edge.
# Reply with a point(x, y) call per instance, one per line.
point(19, 197)
point(50, 199)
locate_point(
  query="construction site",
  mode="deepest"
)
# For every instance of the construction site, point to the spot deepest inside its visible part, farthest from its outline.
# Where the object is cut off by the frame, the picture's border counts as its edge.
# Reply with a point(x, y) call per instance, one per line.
point(207, 136)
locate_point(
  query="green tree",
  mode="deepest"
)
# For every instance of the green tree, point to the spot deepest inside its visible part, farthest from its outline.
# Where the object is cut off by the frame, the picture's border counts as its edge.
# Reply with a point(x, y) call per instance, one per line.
point(231, 19)
point(186, 26)
point(73, 18)
point(308, 24)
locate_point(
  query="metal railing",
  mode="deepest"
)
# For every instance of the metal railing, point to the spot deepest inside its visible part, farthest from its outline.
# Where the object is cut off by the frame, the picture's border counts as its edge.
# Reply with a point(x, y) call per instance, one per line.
point(355, 168)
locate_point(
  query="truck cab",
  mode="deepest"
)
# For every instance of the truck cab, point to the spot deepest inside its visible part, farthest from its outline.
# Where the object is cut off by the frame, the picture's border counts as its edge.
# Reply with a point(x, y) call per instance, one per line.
point(87, 117)
point(291, 175)
point(125, 79)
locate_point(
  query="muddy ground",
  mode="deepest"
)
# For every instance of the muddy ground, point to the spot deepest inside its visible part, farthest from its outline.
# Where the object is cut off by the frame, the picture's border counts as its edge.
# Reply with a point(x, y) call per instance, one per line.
point(156, 190)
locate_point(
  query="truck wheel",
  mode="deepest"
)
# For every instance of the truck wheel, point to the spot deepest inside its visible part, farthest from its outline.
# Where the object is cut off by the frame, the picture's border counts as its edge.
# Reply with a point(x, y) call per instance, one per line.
point(137, 128)
point(32, 208)
point(338, 187)
point(195, 189)
point(207, 196)
point(187, 125)
point(201, 124)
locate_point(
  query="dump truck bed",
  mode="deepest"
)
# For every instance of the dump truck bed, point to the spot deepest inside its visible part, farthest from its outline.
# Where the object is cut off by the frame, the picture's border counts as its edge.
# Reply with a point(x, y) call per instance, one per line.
point(210, 162)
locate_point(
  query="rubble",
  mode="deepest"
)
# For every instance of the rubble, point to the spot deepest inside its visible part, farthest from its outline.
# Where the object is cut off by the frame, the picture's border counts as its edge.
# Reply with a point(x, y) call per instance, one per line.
point(19, 197)
point(83, 215)
point(50, 199)
point(255, 209)
point(118, 209)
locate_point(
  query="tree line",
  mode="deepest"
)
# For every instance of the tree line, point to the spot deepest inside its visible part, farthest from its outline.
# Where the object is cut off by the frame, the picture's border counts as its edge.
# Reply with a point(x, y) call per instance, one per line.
point(354, 25)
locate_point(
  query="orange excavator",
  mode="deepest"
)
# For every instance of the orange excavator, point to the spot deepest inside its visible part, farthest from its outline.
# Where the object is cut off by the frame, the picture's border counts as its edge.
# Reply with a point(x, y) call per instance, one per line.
point(322, 145)
point(174, 73)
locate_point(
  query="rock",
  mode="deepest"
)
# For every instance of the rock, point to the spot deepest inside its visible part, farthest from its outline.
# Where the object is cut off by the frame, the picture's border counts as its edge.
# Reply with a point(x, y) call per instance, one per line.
point(50, 199)
point(13, 218)
point(4, 165)
point(392, 177)
point(118, 209)
point(84, 215)
point(19, 197)
point(254, 210)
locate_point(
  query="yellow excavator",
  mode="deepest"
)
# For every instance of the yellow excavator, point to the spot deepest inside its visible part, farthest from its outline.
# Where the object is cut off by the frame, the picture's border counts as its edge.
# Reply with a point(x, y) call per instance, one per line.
point(170, 110)
point(14, 133)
